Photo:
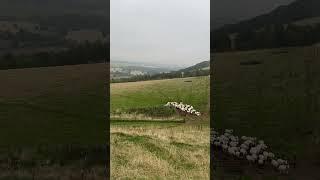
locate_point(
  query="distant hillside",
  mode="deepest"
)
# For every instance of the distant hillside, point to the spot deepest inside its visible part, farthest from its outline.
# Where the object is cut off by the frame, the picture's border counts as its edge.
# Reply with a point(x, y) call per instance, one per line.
point(298, 10)
point(200, 69)
point(52, 7)
point(37, 33)
point(285, 26)
point(124, 69)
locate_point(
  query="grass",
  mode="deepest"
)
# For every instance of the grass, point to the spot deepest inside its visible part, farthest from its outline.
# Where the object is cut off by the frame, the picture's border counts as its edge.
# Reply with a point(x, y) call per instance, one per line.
point(148, 95)
point(160, 151)
point(275, 99)
point(56, 104)
point(148, 145)
point(55, 115)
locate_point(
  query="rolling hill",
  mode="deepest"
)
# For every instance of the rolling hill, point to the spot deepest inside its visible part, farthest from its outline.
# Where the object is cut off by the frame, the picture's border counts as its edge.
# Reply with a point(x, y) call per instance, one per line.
point(198, 67)
point(123, 72)
point(124, 69)
point(298, 10)
point(296, 24)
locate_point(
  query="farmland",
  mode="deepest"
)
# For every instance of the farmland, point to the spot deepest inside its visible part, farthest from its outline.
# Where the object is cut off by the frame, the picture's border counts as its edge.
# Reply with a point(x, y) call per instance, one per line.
point(273, 95)
point(45, 110)
point(146, 144)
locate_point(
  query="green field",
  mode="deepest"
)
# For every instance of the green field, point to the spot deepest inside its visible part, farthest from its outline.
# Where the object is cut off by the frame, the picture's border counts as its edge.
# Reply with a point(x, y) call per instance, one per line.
point(147, 145)
point(45, 110)
point(145, 94)
point(54, 104)
point(273, 95)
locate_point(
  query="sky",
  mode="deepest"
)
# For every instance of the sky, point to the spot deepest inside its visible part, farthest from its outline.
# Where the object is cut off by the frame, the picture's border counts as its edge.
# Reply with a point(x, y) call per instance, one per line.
point(173, 32)
point(232, 11)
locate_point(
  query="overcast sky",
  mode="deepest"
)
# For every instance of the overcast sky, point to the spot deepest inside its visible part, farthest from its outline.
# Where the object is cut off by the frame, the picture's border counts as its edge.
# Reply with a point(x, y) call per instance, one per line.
point(160, 31)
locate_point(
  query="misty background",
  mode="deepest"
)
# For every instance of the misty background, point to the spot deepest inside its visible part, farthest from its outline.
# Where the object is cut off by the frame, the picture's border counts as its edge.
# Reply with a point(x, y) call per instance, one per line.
point(160, 31)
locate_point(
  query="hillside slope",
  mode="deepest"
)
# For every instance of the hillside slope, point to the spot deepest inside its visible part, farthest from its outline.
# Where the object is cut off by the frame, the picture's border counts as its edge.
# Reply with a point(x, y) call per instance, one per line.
point(200, 66)
point(298, 10)
point(283, 27)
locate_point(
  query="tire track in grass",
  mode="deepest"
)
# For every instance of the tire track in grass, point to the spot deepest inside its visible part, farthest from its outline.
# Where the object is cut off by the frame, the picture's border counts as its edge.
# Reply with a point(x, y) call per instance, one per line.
point(177, 161)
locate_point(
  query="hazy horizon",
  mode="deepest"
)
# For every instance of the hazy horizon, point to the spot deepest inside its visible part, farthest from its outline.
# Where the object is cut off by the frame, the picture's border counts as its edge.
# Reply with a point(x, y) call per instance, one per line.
point(173, 32)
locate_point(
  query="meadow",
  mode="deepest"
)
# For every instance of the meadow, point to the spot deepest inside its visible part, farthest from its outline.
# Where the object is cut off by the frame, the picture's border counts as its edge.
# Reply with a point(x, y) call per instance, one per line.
point(51, 118)
point(271, 94)
point(150, 145)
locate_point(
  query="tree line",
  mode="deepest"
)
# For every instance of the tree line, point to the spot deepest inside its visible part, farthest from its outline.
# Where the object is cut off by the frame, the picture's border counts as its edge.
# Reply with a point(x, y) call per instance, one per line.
point(74, 54)
point(270, 36)
point(170, 75)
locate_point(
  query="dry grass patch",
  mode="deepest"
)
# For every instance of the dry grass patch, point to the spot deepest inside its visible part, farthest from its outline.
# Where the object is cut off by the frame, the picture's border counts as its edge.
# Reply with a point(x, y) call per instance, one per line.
point(160, 151)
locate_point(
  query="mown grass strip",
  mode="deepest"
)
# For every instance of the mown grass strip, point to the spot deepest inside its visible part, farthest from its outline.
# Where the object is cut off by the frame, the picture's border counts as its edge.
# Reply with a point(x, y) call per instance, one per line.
point(178, 162)
point(113, 121)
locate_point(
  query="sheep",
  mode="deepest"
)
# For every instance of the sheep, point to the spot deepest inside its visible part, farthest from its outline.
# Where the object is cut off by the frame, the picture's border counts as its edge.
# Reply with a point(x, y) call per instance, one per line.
point(271, 155)
point(250, 158)
point(183, 107)
point(230, 131)
point(224, 147)
point(227, 134)
point(233, 144)
point(234, 138)
point(281, 161)
point(265, 154)
point(249, 142)
point(263, 146)
point(232, 150)
point(261, 157)
point(249, 148)
point(274, 163)
point(244, 146)
point(254, 156)
point(254, 150)
point(283, 169)
point(243, 151)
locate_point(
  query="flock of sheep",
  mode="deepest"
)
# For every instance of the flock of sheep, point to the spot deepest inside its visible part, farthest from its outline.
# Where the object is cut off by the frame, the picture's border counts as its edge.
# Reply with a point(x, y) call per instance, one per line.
point(185, 108)
point(255, 151)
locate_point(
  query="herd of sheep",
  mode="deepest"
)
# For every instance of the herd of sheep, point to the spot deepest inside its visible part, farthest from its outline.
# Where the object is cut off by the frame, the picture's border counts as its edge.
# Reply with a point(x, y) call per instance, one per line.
point(249, 148)
point(185, 108)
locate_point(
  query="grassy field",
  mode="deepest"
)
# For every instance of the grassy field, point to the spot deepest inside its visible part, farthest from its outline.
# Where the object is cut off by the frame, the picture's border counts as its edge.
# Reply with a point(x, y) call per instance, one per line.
point(149, 146)
point(273, 95)
point(53, 104)
point(43, 111)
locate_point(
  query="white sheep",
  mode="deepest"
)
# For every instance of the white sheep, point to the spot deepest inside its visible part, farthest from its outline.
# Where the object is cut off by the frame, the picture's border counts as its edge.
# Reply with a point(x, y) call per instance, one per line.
point(250, 149)
point(271, 155)
point(283, 169)
point(243, 151)
point(230, 131)
point(274, 163)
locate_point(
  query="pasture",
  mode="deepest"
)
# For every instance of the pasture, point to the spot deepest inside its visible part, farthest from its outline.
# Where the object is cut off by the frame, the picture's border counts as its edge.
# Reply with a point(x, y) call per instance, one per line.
point(272, 95)
point(45, 110)
point(147, 144)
